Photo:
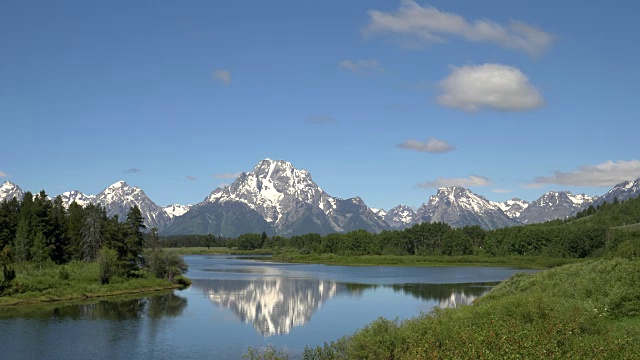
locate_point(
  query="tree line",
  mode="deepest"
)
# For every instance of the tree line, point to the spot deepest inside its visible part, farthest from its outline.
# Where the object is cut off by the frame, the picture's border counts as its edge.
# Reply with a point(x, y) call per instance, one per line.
point(41, 230)
point(592, 232)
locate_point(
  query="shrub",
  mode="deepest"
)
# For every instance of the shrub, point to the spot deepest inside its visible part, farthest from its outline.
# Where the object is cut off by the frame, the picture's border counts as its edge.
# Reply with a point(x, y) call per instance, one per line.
point(108, 264)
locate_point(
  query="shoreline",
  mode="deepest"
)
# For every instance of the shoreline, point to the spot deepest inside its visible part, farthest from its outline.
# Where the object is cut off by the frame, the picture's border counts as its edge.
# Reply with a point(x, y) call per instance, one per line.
point(518, 262)
point(44, 300)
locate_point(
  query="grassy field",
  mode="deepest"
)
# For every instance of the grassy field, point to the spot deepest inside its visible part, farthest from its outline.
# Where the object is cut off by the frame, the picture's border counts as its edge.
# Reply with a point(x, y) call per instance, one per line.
point(217, 251)
point(521, 262)
point(294, 256)
point(74, 281)
point(589, 310)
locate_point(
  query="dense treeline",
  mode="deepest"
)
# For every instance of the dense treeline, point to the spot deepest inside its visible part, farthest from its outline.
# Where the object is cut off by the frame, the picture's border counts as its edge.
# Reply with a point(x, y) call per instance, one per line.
point(43, 231)
point(593, 232)
point(193, 240)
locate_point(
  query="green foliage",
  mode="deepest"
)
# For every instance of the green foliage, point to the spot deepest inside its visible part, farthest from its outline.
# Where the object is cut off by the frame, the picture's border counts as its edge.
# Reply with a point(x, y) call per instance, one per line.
point(107, 264)
point(576, 311)
point(8, 272)
point(76, 280)
point(269, 353)
point(164, 264)
point(248, 241)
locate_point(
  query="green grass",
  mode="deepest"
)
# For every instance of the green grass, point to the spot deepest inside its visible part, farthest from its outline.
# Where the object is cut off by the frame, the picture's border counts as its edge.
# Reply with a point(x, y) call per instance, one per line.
point(589, 310)
point(74, 281)
point(216, 251)
point(522, 262)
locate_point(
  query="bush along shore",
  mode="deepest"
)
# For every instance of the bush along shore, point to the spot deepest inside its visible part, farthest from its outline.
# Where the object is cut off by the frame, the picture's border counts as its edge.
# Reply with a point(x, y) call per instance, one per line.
point(51, 253)
point(588, 310)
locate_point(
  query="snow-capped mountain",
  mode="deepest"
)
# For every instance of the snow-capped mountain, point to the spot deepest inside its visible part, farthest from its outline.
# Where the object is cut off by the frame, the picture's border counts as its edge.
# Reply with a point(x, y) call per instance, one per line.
point(622, 191)
point(555, 205)
point(119, 197)
point(176, 210)
point(460, 207)
point(9, 190)
point(379, 212)
point(399, 217)
point(81, 199)
point(286, 198)
point(512, 207)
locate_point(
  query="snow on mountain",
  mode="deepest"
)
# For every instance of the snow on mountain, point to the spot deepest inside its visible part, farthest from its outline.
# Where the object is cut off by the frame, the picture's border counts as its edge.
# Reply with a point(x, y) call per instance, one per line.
point(512, 207)
point(81, 199)
point(622, 191)
point(176, 210)
point(289, 200)
point(379, 212)
point(460, 207)
point(555, 205)
point(400, 217)
point(119, 197)
point(271, 187)
point(9, 190)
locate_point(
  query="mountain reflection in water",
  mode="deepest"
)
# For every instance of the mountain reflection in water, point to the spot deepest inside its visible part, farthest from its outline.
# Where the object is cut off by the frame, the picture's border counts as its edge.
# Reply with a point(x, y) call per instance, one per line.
point(275, 305)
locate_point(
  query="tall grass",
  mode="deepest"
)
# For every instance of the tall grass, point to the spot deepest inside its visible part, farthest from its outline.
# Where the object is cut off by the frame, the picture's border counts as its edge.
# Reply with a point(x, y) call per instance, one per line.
point(579, 311)
point(76, 280)
point(588, 310)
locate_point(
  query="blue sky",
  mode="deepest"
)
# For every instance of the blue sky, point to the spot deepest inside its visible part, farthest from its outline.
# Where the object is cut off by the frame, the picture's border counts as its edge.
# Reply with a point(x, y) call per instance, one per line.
point(386, 100)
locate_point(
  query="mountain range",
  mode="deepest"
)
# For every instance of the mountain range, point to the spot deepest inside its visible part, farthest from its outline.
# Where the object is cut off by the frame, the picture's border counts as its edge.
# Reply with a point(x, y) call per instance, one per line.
point(277, 198)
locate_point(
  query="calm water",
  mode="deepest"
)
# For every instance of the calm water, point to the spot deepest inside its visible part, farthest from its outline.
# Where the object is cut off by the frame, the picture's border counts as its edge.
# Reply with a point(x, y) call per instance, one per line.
point(235, 303)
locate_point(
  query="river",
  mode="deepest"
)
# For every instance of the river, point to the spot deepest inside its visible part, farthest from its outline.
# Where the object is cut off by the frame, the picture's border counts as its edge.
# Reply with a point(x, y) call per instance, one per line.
point(237, 302)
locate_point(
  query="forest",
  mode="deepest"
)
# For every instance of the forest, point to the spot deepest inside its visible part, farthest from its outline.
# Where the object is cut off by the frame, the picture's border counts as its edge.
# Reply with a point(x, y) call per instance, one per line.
point(39, 233)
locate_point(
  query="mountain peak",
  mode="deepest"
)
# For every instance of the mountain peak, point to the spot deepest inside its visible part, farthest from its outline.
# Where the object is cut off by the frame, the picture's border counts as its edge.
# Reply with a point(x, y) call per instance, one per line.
point(9, 190)
point(119, 184)
point(459, 207)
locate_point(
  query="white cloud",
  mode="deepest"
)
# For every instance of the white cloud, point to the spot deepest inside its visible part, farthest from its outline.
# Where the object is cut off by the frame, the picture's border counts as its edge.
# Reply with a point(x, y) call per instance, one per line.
point(321, 119)
point(132, 171)
point(501, 191)
point(606, 174)
point(192, 178)
point(226, 175)
point(362, 67)
point(494, 86)
point(3, 174)
point(224, 76)
point(432, 145)
point(415, 26)
point(473, 180)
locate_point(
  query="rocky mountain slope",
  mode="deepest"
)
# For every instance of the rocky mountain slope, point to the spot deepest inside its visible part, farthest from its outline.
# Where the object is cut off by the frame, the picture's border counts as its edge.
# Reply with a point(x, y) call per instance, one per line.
point(554, 205)
point(119, 197)
point(287, 199)
point(460, 207)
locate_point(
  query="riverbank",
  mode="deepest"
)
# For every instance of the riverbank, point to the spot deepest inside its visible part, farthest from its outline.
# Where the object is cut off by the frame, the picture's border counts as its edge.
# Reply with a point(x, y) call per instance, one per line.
point(294, 256)
point(578, 311)
point(216, 251)
point(75, 281)
point(518, 262)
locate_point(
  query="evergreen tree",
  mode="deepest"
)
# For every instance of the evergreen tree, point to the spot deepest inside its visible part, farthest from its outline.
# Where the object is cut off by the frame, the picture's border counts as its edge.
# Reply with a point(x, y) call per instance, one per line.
point(91, 234)
point(58, 238)
point(9, 217)
point(40, 250)
point(134, 240)
point(23, 241)
point(73, 231)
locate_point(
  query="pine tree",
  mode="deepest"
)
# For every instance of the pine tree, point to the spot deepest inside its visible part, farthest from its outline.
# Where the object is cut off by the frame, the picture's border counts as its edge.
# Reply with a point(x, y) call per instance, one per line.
point(91, 235)
point(23, 241)
point(40, 250)
point(134, 240)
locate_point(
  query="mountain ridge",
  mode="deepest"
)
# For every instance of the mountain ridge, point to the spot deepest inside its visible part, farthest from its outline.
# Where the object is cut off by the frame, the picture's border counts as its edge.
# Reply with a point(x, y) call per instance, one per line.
point(277, 198)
